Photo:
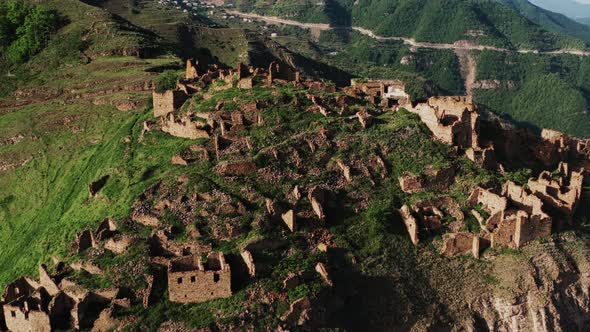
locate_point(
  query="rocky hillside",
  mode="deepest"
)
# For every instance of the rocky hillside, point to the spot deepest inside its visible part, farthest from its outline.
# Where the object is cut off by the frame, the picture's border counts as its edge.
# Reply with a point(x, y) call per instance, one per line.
point(298, 185)
point(151, 193)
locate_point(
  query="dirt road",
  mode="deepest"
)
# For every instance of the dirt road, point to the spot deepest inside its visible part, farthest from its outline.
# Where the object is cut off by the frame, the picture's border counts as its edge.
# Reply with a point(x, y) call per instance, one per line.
point(461, 45)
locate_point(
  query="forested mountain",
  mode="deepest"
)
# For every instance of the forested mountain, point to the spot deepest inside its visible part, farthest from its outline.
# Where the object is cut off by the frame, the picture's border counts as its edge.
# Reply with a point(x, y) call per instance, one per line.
point(487, 22)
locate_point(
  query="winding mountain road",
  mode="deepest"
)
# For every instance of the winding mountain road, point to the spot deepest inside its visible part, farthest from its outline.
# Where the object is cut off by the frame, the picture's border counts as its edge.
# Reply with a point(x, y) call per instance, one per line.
point(461, 45)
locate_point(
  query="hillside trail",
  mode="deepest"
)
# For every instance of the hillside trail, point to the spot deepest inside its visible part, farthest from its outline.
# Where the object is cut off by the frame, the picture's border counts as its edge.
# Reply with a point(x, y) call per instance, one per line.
point(461, 45)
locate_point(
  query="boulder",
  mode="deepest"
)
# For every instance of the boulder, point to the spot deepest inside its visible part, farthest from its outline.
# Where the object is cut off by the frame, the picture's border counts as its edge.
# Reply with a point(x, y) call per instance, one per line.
point(236, 168)
point(289, 219)
point(411, 183)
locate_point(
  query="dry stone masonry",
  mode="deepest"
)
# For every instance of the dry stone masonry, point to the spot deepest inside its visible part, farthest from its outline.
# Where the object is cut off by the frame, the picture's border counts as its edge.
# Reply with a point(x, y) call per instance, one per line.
point(509, 217)
point(190, 281)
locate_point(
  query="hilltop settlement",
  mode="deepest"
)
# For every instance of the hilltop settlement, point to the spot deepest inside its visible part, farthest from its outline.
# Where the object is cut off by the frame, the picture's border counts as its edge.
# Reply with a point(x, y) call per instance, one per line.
point(186, 258)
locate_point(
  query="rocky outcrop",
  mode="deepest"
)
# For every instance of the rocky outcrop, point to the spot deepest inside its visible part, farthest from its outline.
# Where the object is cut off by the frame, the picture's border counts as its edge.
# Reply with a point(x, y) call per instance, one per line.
point(549, 292)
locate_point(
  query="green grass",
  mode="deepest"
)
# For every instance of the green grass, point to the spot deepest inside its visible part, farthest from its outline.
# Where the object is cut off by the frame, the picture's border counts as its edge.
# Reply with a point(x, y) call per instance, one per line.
point(70, 145)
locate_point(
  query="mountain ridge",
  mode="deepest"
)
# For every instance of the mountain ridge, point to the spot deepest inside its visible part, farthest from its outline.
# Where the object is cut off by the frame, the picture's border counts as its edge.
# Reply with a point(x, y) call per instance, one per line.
point(570, 8)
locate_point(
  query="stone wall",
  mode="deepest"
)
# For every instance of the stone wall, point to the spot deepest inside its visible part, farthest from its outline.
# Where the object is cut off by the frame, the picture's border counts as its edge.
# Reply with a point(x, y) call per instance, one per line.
point(184, 127)
point(194, 283)
point(168, 102)
point(453, 120)
point(20, 319)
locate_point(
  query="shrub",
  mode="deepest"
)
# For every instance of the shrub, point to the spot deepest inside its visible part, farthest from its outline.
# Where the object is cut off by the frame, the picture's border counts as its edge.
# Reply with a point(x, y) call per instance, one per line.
point(24, 29)
point(166, 81)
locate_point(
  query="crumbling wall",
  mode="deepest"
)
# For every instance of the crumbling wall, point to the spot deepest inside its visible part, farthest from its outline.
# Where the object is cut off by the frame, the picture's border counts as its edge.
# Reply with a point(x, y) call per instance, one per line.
point(168, 102)
point(184, 127)
point(562, 193)
point(453, 120)
point(22, 319)
point(194, 283)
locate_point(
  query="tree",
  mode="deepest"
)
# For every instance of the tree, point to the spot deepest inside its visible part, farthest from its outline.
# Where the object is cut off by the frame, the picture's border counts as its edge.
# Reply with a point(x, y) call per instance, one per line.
point(24, 30)
point(166, 81)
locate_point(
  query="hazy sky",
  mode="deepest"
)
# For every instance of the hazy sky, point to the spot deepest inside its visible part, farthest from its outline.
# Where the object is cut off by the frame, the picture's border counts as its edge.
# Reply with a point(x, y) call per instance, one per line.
point(571, 8)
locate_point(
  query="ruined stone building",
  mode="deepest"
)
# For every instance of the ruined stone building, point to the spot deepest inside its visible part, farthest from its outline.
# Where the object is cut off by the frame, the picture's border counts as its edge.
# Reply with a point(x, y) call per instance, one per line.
point(52, 303)
point(523, 148)
point(561, 192)
point(516, 216)
point(243, 77)
point(509, 218)
point(168, 101)
point(453, 120)
point(190, 281)
point(386, 89)
point(28, 313)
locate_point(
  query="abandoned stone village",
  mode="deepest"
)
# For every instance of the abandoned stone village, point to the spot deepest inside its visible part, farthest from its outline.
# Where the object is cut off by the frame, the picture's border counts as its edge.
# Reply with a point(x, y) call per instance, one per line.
point(509, 217)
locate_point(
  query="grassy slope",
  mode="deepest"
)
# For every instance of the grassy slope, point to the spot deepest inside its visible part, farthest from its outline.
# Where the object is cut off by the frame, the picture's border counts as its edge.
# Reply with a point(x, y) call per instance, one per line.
point(75, 142)
point(72, 144)
point(396, 285)
point(186, 36)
